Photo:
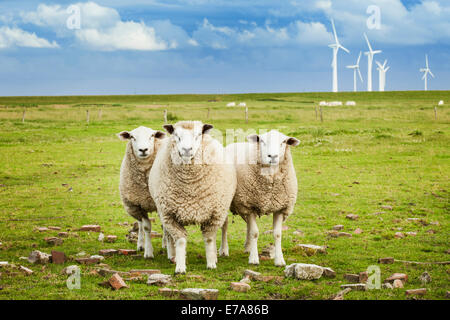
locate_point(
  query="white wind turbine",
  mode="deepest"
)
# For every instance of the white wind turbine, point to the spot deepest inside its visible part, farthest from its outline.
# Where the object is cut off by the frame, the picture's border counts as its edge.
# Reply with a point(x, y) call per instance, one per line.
point(356, 68)
point(426, 72)
point(370, 55)
point(335, 46)
point(382, 74)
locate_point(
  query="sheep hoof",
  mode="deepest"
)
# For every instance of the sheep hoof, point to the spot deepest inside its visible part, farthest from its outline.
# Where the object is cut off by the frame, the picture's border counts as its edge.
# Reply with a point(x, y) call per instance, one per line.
point(148, 256)
point(180, 270)
point(280, 263)
point(140, 248)
point(211, 266)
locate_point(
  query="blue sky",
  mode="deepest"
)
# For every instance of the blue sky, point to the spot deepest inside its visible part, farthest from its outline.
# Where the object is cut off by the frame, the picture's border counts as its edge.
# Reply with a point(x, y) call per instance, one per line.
point(215, 46)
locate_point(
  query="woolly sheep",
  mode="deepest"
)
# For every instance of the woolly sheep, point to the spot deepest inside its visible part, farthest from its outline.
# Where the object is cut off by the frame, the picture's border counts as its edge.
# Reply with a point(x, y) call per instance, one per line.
point(441, 103)
point(231, 104)
point(335, 103)
point(323, 103)
point(192, 184)
point(143, 144)
point(350, 103)
point(266, 184)
point(242, 104)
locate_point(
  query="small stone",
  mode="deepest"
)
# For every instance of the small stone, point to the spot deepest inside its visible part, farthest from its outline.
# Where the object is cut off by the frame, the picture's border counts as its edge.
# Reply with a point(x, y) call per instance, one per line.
point(363, 277)
point(264, 258)
point(338, 227)
point(397, 276)
point(387, 207)
point(431, 231)
point(111, 238)
point(159, 279)
point(240, 286)
point(336, 234)
point(91, 227)
point(87, 260)
point(425, 278)
point(329, 273)
point(386, 260)
point(199, 294)
point(358, 231)
point(253, 275)
point(447, 295)
point(413, 219)
point(303, 271)
point(284, 228)
point(195, 277)
point(63, 234)
point(350, 277)
point(70, 270)
point(167, 292)
point(434, 223)
point(42, 229)
point(55, 228)
point(310, 249)
point(245, 280)
point(58, 257)
point(101, 237)
point(108, 252)
point(127, 252)
point(3, 263)
point(155, 234)
point(411, 234)
point(340, 294)
point(268, 251)
point(37, 256)
point(399, 235)
point(132, 237)
point(387, 285)
point(355, 286)
point(352, 216)
point(26, 270)
point(416, 292)
point(298, 233)
point(54, 241)
point(96, 256)
point(145, 271)
point(117, 282)
point(397, 284)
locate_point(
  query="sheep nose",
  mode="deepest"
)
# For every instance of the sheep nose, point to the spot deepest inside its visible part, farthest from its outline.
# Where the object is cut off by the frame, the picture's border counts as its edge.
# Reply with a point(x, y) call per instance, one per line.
point(143, 150)
point(187, 150)
point(273, 156)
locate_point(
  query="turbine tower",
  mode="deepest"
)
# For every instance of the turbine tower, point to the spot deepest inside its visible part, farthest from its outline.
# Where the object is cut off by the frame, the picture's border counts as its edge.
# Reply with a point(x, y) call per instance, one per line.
point(382, 74)
point(370, 55)
point(426, 72)
point(356, 68)
point(335, 46)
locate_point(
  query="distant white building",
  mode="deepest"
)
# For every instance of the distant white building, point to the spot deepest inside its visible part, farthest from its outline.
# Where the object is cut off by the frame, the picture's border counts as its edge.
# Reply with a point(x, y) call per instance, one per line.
point(231, 104)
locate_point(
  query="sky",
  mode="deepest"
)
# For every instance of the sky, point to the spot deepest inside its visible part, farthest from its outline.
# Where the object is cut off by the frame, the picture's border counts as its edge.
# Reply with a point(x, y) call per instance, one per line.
point(216, 46)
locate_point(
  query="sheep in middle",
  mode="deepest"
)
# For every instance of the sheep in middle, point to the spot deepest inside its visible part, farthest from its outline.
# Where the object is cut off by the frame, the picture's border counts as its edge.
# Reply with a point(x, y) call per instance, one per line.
point(192, 183)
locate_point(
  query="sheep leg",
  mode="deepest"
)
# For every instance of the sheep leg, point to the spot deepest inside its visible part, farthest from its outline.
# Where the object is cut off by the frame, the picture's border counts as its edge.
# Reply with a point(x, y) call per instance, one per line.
point(179, 236)
point(148, 248)
point(164, 239)
point(253, 243)
point(141, 236)
point(223, 250)
point(170, 248)
point(247, 238)
point(277, 230)
point(209, 237)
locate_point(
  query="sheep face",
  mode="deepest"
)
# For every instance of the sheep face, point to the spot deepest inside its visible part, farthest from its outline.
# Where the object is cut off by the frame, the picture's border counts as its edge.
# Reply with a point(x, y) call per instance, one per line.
point(142, 141)
point(272, 146)
point(187, 137)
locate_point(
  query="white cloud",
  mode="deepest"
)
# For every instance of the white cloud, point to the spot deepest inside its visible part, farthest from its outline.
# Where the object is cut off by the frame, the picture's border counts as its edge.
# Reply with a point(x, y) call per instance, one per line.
point(15, 37)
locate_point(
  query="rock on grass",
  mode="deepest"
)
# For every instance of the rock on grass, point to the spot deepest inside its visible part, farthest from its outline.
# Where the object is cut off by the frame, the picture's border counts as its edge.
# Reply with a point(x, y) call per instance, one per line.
point(303, 271)
point(199, 294)
point(91, 227)
point(117, 282)
point(416, 292)
point(388, 260)
point(310, 249)
point(37, 256)
point(240, 286)
point(159, 279)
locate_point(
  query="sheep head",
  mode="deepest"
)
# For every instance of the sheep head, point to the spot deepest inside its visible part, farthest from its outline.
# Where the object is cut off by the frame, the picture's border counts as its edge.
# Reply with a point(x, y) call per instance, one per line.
point(142, 140)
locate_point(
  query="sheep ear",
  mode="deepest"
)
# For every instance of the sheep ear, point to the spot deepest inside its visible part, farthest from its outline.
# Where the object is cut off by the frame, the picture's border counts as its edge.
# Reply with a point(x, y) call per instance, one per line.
point(169, 128)
point(124, 135)
point(253, 138)
point(206, 128)
point(159, 135)
point(292, 142)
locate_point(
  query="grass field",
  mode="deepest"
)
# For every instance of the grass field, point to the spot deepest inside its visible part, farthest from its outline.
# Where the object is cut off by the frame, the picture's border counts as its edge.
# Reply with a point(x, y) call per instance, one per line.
point(388, 150)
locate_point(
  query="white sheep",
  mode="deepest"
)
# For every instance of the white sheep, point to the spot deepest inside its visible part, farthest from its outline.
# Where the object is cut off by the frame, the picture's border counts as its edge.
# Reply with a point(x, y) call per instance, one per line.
point(441, 103)
point(231, 104)
point(192, 184)
point(335, 103)
point(323, 103)
point(266, 184)
point(350, 103)
point(143, 144)
point(242, 104)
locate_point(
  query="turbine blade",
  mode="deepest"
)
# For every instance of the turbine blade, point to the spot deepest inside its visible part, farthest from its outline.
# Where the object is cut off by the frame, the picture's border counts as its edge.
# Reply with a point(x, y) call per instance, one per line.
point(384, 64)
point(387, 69)
point(431, 73)
point(334, 31)
point(368, 43)
point(379, 65)
point(426, 58)
point(345, 49)
point(360, 76)
point(359, 58)
point(424, 76)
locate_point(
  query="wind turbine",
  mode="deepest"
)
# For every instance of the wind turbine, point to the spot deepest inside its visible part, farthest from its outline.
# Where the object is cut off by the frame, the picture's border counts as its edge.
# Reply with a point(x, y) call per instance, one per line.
point(335, 46)
point(370, 55)
point(356, 68)
point(382, 74)
point(426, 72)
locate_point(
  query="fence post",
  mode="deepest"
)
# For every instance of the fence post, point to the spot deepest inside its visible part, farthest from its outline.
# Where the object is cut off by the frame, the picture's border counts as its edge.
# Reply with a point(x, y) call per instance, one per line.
point(23, 116)
point(315, 109)
point(165, 115)
point(321, 116)
point(435, 113)
point(209, 113)
point(246, 115)
point(87, 116)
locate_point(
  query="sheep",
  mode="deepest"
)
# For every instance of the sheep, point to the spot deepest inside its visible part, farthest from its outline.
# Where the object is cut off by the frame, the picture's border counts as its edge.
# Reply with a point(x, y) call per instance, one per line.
point(350, 103)
point(192, 183)
point(266, 183)
point(242, 104)
point(335, 103)
point(323, 103)
point(143, 144)
point(231, 104)
point(441, 103)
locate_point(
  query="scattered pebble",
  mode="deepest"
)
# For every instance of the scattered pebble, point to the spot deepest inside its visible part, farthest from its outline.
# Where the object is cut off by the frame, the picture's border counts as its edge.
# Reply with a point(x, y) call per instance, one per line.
point(358, 231)
point(352, 216)
point(355, 286)
point(159, 279)
point(199, 294)
point(350, 277)
point(108, 252)
point(167, 292)
point(240, 286)
point(101, 236)
point(58, 257)
point(37, 256)
point(397, 276)
point(388, 260)
point(310, 249)
point(425, 278)
point(387, 207)
point(54, 241)
point(91, 227)
point(303, 271)
point(338, 227)
point(399, 235)
point(417, 292)
point(397, 284)
point(117, 282)
point(111, 238)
